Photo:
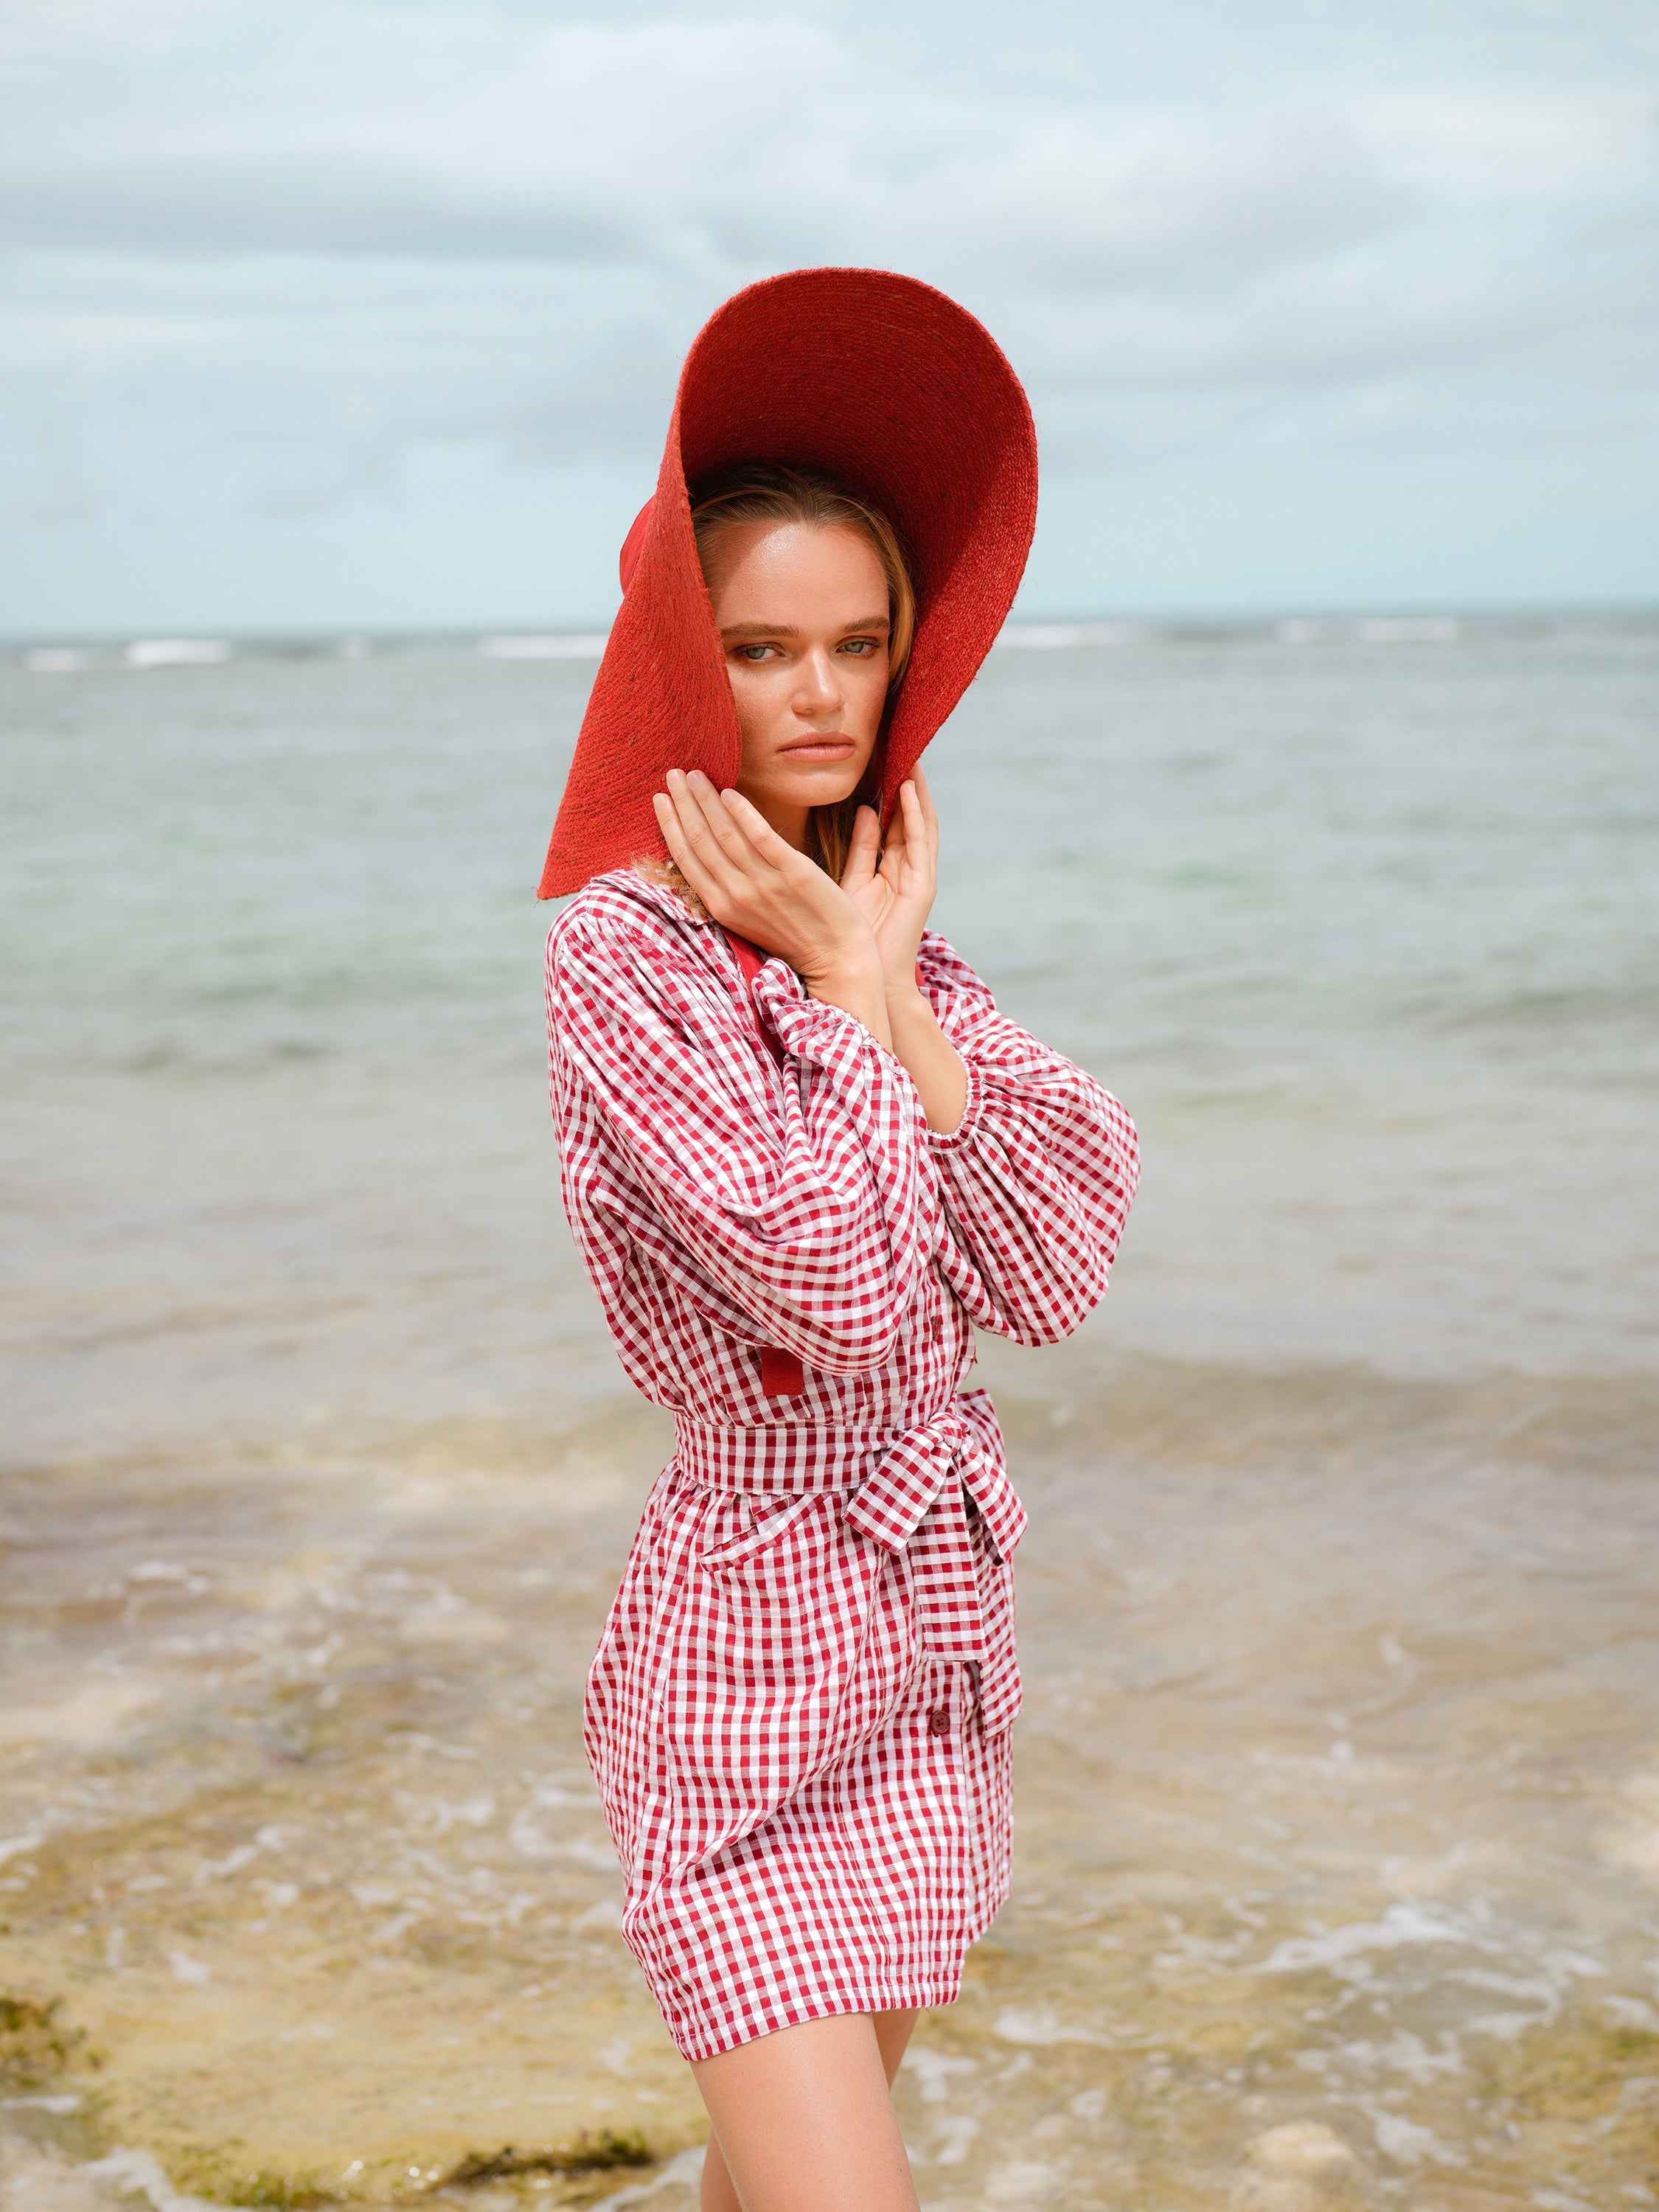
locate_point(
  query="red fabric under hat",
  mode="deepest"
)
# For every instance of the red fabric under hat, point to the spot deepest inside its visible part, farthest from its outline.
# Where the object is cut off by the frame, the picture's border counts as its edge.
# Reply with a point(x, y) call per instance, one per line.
point(892, 388)
point(629, 559)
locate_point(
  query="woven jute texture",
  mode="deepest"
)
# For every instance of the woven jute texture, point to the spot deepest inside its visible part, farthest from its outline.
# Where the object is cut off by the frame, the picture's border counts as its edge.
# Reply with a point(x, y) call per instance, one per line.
point(899, 391)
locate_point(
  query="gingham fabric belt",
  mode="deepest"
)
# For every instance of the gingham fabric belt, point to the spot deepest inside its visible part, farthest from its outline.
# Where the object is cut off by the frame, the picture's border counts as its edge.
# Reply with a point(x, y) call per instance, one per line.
point(893, 1481)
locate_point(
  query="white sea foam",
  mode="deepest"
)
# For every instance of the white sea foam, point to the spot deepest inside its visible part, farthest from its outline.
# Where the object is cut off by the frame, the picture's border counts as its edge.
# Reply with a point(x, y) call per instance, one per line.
point(1307, 2148)
point(92, 1714)
point(934, 2070)
point(1410, 630)
point(583, 645)
point(57, 660)
point(954, 2138)
point(1408, 2143)
point(682, 2173)
point(1039, 2023)
point(1067, 637)
point(1405, 1923)
point(136, 2173)
point(177, 652)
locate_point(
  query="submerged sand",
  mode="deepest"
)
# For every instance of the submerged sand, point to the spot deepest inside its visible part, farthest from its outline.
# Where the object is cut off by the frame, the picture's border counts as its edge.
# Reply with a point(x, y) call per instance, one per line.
point(1339, 1819)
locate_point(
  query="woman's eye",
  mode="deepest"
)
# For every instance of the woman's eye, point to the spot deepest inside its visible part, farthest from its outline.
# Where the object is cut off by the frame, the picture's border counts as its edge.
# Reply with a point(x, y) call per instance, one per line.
point(862, 646)
point(754, 652)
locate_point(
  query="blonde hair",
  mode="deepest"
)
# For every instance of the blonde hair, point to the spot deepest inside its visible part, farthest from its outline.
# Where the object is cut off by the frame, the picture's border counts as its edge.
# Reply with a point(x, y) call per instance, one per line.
point(778, 491)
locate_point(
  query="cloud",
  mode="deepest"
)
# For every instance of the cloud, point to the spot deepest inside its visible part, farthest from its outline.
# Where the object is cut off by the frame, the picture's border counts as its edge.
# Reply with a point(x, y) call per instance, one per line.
point(628, 145)
point(328, 205)
point(39, 39)
point(295, 247)
point(1483, 144)
point(1084, 201)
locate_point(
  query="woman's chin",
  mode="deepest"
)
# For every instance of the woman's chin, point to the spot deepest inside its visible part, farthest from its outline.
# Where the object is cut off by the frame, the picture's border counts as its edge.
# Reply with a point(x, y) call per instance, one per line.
point(806, 783)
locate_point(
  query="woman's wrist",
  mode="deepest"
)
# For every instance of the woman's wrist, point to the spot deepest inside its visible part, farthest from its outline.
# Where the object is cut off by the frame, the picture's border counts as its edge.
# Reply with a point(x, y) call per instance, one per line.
point(853, 982)
point(851, 958)
point(862, 977)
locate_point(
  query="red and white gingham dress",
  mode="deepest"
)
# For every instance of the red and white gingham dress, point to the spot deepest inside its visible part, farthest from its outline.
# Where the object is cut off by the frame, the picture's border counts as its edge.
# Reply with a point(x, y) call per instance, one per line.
point(798, 1712)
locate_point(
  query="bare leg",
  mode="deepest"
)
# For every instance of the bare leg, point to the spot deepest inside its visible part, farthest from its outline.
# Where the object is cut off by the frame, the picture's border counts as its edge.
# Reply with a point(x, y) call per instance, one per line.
point(808, 2119)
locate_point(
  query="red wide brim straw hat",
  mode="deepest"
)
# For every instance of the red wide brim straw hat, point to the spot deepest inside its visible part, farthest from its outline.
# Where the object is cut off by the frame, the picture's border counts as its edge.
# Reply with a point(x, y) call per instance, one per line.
point(891, 387)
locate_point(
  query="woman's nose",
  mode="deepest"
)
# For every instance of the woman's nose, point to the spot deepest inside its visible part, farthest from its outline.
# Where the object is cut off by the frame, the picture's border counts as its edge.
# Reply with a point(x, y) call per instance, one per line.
point(819, 691)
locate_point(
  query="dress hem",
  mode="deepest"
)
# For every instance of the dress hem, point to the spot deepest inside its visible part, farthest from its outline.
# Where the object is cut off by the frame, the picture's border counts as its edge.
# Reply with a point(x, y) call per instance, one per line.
point(919, 1996)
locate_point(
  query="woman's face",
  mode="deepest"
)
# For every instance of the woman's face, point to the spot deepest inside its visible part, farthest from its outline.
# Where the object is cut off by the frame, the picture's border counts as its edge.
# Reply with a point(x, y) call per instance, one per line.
point(802, 612)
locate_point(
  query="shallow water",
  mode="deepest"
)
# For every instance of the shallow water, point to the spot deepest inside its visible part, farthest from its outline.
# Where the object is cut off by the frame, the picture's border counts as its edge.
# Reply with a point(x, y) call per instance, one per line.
point(1338, 1798)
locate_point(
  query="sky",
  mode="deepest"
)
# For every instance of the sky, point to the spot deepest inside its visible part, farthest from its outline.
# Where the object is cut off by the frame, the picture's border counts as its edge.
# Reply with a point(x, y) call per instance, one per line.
point(336, 315)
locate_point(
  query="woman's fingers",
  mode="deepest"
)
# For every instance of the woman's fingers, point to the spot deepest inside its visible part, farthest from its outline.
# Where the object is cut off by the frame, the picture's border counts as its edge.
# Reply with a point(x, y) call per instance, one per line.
point(911, 853)
point(863, 852)
point(922, 823)
point(686, 859)
point(733, 871)
point(748, 828)
point(708, 820)
point(709, 871)
point(907, 865)
point(752, 880)
point(929, 813)
point(892, 851)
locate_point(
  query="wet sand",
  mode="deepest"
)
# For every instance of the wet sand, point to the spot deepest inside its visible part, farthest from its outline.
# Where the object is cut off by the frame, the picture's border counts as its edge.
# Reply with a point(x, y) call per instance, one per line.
point(1337, 1840)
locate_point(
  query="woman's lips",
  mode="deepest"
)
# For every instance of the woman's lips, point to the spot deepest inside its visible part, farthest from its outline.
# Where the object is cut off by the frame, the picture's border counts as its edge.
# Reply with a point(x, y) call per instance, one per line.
point(829, 748)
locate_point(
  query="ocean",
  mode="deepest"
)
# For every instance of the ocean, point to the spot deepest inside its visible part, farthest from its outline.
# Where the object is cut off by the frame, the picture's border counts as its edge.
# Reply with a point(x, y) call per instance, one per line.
point(1338, 1820)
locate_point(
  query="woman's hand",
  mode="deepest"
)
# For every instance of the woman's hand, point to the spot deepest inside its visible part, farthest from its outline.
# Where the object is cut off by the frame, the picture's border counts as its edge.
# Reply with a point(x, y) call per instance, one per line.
point(894, 889)
point(754, 882)
point(895, 893)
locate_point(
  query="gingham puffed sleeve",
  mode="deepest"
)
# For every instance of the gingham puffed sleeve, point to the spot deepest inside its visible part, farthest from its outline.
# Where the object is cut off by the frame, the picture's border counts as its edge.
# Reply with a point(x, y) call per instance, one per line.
point(1037, 1177)
point(790, 1204)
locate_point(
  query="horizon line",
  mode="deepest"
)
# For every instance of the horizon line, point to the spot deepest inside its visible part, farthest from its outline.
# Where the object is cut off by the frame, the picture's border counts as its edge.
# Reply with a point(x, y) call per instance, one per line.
point(586, 634)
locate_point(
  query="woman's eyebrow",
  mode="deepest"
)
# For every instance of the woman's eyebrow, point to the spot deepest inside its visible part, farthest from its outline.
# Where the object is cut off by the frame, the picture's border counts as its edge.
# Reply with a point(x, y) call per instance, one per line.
point(789, 630)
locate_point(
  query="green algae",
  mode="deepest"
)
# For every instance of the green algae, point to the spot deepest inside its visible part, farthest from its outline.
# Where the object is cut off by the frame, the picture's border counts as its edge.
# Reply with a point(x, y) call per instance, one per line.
point(35, 2047)
point(587, 2155)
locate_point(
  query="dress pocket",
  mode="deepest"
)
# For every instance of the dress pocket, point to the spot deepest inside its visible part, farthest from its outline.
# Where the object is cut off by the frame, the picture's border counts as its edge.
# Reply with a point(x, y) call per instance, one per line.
point(794, 1636)
point(769, 1526)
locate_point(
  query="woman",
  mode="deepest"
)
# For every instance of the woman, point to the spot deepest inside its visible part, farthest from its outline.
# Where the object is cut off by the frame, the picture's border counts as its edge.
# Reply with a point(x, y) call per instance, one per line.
point(804, 1155)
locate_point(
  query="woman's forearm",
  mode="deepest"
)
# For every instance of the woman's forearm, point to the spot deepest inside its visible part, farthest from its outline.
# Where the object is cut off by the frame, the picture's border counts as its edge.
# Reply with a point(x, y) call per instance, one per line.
point(931, 1061)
